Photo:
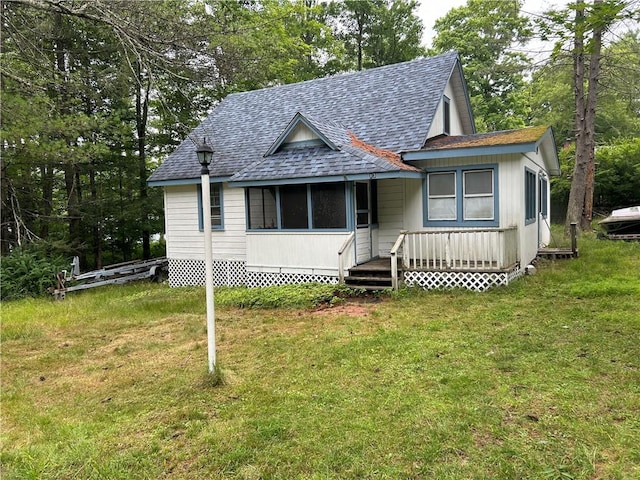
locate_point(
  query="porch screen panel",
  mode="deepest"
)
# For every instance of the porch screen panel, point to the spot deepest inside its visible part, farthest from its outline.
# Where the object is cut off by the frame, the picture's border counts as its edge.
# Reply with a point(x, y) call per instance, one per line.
point(478, 195)
point(262, 208)
point(328, 206)
point(442, 196)
point(293, 207)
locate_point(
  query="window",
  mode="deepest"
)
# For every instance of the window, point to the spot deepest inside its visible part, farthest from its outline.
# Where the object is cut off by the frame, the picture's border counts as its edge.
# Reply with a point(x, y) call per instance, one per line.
point(215, 191)
point(478, 195)
point(297, 207)
point(442, 196)
point(544, 197)
point(262, 210)
point(463, 196)
point(328, 205)
point(293, 207)
point(362, 204)
point(446, 111)
point(529, 196)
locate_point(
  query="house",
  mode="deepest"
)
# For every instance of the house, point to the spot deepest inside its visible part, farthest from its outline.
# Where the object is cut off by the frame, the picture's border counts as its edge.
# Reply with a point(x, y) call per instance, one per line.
point(312, 181)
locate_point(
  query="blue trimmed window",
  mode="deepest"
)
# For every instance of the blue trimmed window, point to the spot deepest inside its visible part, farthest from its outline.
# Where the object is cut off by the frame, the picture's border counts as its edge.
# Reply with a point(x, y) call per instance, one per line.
point(544, 197)
point(215, 190)
point(529, 196)
point(446, 112)
point(463, 196)
point(320, 206)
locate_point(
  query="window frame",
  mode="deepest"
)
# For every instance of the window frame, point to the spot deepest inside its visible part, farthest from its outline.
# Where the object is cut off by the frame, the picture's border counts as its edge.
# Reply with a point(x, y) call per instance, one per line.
point(212, 187)
point(309, 200)
point(460, 221)
point(530, 196)
point(446, 115)
point(543, 196)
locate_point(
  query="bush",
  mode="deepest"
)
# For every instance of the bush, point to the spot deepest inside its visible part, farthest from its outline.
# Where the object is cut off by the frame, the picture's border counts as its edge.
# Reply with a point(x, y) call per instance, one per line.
point(27, 273)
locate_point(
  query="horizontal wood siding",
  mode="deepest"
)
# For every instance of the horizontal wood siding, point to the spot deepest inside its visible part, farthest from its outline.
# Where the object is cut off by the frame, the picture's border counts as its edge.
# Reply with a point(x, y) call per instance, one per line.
point(305, 252)
point(437, 126)
point(390, 213)
point(186, 241)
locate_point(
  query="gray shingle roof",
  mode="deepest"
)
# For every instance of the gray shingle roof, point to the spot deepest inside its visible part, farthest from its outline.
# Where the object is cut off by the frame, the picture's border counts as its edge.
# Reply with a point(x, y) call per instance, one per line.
point(389, 107)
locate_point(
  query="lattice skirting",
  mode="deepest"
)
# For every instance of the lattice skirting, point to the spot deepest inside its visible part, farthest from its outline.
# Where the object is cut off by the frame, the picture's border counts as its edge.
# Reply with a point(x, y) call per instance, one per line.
point(184, 273)
point(264, 279)
point(477, 281)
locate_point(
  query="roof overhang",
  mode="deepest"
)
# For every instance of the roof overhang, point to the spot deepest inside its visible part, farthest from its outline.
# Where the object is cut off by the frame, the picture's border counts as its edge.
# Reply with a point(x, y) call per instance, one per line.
point(327, 179)
point(186, 181)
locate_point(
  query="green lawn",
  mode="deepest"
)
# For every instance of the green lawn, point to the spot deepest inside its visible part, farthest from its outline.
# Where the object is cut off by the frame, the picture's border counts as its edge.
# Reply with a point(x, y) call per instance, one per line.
point(537, 380)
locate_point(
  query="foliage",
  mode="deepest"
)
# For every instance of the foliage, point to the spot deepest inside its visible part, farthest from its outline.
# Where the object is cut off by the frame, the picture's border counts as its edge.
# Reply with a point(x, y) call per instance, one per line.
point(377, 32)
point(283, 296)
point(28, 272)
point(618, 174)
point(540, 379)
point(484, 33)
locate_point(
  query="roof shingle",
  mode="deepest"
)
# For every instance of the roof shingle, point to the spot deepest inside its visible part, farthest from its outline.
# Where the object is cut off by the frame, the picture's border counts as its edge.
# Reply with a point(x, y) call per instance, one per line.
point(389, 108)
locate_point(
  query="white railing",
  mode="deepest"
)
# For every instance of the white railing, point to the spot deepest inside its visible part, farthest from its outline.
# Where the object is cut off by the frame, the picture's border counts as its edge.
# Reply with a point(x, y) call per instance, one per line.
point(467, 250)
point(394, 260)
point(346, 251)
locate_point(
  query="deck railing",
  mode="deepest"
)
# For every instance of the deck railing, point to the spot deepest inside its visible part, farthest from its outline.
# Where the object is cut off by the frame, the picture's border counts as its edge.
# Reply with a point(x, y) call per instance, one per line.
point(450, 250)
point(346, 251)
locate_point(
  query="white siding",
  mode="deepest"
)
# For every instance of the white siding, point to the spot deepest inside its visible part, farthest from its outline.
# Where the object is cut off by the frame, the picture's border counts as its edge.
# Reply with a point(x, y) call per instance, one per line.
point(437, 126)
point(301, 133)
point(390, 213)
point(294, 252)
point(511, 197)
point(186, 241)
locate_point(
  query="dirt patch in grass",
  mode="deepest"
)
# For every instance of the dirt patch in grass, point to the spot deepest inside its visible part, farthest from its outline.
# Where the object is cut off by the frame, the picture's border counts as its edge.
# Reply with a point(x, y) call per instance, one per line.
point(355, 307)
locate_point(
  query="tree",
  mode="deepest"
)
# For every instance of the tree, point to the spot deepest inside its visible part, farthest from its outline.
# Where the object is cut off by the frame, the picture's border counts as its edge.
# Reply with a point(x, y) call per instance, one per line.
point(377, 32)
point(484, 32)
point(584, 33)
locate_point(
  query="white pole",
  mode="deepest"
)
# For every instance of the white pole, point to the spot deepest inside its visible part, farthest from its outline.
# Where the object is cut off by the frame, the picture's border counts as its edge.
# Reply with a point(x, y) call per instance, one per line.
point(208, 265)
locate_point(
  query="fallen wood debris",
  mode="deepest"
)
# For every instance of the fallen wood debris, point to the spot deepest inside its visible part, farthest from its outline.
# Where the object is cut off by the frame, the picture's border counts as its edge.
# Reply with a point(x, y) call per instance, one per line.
point(154, 269)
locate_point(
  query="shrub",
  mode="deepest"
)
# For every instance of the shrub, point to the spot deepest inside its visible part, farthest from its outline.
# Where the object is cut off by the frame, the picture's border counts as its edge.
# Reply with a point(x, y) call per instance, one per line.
point(27, 273)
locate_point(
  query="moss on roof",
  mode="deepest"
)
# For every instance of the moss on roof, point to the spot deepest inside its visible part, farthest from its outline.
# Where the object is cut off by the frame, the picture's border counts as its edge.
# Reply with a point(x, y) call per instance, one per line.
point(504, 137)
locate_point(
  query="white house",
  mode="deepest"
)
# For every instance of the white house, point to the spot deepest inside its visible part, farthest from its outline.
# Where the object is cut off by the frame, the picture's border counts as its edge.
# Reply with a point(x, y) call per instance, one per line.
point(313, 181)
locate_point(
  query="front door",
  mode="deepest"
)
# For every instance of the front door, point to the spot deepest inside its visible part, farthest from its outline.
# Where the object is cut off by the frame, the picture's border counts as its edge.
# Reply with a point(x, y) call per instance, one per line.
point(363, 222)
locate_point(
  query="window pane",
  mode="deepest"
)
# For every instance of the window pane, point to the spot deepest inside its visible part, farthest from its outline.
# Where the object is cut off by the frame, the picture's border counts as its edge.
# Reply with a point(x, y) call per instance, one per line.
point(442, 209)
point(328, 205)
point(262, 208)
point(441, 184)
point(216, 207)
point(293, 206)
point(362, 196)
point(478, 183)
point(478, 208)
point(530, 196)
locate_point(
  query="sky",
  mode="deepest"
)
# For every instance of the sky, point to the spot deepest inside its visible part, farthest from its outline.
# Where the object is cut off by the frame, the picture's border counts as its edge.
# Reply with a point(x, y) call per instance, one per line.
point(431, 10)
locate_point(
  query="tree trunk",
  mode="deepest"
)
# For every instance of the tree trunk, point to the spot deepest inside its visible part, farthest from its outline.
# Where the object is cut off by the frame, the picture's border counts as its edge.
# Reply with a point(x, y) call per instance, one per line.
point(578, 181)
point(580, 207)
point(142, 111)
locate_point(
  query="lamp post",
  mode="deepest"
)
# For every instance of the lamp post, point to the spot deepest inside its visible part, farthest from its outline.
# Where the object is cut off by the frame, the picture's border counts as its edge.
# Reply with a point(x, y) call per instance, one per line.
point(205, 154)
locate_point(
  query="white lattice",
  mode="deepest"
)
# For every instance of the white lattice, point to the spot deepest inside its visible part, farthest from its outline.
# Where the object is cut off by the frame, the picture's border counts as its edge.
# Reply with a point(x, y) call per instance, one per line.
point(477, 281)
point(191, 272)
point(265, 279)
point(184, 273)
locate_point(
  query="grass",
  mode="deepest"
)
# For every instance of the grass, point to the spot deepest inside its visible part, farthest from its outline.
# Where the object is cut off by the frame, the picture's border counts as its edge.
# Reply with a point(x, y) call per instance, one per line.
point(538, 380)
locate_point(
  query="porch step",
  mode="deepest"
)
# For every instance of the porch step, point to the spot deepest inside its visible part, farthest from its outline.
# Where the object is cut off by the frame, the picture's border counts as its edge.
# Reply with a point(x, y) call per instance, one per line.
point(373, 275)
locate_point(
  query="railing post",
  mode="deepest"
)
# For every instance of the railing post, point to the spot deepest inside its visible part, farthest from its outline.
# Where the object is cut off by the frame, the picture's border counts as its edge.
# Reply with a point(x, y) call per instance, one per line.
point(574, 240)
point(394, 259)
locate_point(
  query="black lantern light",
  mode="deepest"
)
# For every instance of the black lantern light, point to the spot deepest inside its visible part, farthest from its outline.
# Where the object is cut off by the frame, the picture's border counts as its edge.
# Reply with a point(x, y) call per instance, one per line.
point(205, 155)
